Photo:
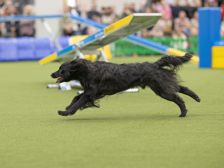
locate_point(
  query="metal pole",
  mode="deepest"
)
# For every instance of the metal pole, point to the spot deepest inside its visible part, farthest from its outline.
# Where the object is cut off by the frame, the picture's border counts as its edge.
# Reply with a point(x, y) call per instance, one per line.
point(50, 32)
point(80, 54)
point(103, 55)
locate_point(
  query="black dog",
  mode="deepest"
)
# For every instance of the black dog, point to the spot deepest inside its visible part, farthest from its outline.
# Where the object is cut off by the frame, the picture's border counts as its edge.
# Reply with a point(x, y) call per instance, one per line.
point(102, 78)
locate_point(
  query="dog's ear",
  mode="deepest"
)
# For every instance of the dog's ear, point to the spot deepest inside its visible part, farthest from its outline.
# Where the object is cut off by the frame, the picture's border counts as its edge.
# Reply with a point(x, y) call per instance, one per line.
point(80, 64)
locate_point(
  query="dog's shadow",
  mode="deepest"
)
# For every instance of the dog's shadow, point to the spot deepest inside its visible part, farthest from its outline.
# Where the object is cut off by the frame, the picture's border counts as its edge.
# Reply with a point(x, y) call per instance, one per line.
point(131, 118)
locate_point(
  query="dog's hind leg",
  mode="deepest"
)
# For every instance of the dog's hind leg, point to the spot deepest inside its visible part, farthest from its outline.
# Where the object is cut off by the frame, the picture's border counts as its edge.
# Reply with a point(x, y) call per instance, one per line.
point(80, 103)
point(190, 93)
point(176, 99)
point(75, 99)
point(171, 96)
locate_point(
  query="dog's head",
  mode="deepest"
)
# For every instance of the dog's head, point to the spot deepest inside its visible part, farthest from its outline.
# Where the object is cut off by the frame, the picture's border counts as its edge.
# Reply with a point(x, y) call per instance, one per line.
point(71, 70)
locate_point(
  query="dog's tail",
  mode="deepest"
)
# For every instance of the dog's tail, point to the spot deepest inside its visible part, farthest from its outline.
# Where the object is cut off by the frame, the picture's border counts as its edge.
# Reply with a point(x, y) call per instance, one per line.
point(173, 62)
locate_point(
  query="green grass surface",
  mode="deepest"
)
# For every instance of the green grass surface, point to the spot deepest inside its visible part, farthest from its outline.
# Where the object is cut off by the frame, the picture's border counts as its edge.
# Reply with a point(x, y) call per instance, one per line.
point(129, 130)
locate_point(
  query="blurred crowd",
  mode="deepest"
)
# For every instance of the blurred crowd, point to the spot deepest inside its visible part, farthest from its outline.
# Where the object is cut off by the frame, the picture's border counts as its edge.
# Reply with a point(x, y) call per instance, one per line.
point(16, 28)
point(179, 17)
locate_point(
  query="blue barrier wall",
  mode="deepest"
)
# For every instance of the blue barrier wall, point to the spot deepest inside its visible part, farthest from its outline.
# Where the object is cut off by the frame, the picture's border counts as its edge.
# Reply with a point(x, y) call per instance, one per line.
point(209, 32)
point(8, 50)
point(27, 48)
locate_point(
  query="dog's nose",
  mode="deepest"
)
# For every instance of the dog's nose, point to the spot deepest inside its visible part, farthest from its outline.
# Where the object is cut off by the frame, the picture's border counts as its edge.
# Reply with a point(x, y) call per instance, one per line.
point(52, 75)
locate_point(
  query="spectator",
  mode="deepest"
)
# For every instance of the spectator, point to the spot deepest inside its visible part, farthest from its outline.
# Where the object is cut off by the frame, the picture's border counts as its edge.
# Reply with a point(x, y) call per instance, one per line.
point(192, 7)
point(132, 8)
point(176, 9)
point(194, 32)
point(194, 24)
point(113, 9)
point(154, 8)
point(12, 27)
point(211, 3)
point(108, 16)
point(198, 4)
point(142, 7)
point(6, 4)
point(20, 4)
point(194, 20)
point(181, 21)
point(93, 11)
point(165, 8)
point(162, 27)
point(103, 10)
point(183, 3)
point(115, 19)
point(69, 26)
point(160, 34)
point(27, 26)
point(170, 2)
point(144, 33)
point(126, 11)
point(92, 30)
point(180, 39)
point(187, 29)
point(148, 10)
point(2, 3)
point(148, 3)
point(191, 3)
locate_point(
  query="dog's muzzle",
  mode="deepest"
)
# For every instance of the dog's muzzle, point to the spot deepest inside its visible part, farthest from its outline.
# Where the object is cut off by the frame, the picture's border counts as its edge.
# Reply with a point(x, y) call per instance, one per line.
point(53, 75)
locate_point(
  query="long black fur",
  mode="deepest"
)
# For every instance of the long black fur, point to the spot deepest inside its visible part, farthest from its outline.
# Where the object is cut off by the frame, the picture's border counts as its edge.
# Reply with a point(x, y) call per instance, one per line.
point(103, 78)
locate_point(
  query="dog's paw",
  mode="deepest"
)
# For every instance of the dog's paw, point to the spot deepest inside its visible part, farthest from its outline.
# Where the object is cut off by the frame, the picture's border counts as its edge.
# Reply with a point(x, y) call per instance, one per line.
point(63, 113)
point(197, 99)
point(182, 115)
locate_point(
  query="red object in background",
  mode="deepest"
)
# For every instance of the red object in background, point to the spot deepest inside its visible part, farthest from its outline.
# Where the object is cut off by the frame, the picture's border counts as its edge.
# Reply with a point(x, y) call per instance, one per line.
point(222, 11)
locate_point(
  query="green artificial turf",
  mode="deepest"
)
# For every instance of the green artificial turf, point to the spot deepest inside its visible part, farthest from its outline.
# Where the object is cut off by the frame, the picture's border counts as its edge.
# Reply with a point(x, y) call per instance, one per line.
point(129, 130)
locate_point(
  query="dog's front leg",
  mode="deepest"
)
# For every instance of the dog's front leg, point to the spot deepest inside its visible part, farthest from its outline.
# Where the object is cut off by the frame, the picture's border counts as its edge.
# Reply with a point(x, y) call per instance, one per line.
point(75, 99)
point(80, 103)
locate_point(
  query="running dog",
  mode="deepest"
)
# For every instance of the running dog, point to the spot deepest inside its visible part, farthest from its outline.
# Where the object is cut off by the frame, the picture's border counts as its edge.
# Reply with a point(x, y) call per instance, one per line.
point(100, 79)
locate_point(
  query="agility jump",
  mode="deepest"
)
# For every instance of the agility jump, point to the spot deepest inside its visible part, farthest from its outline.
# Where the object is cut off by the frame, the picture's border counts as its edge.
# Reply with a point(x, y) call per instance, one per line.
point(121, 29)
point(163, 49)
